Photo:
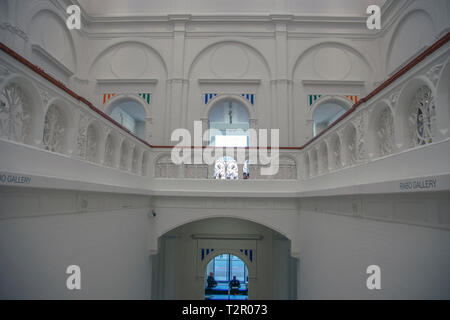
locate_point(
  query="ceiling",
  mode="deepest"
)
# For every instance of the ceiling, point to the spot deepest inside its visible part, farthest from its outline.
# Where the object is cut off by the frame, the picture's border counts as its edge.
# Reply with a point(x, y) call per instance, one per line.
point(337, 8)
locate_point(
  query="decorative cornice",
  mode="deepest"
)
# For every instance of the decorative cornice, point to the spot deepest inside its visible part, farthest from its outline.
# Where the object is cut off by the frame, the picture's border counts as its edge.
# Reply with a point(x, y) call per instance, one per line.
point(127, 81)
point(179, 17)
point(230, 81)
point(333, 83)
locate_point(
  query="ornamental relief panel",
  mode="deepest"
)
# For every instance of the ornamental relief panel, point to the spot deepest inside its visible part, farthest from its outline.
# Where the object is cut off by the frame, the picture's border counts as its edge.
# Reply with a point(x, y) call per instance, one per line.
point(15, 114)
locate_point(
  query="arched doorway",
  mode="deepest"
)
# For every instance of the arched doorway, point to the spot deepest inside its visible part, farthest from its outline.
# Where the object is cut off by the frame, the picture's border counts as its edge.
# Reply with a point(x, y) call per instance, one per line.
point(226, 278)
point(180, 265)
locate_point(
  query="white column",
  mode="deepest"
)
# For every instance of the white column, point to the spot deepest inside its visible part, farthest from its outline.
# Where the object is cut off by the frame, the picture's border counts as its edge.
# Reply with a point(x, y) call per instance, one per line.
point(281, 80)
point(177, 81)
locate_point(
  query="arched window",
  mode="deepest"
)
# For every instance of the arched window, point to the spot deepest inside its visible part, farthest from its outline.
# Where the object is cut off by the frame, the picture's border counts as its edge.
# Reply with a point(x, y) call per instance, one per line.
point(226, 168)
point(131, 115)
point(229, 124)
point(222, 270)
point(325, 114)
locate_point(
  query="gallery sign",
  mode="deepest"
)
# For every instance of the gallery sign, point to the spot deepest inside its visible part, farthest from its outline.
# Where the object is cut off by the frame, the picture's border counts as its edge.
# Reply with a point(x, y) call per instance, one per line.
point(6, 178)
point(419, 184)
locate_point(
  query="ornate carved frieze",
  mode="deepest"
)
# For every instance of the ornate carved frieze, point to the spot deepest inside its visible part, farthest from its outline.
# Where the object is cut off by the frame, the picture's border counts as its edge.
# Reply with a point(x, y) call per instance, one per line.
point(81, 137)
point(54, 130)
point(385, 132)
point(361, 124)
point(422, 118)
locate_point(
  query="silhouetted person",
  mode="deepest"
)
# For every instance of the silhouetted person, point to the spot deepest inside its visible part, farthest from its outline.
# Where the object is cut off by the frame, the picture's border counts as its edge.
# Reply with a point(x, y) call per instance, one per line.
point(212, 283)
point(234, 286)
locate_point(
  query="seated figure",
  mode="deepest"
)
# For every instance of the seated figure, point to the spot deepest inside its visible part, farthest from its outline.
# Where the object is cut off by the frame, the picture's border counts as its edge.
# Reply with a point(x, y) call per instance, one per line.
point(234, 286)
point(212, 283)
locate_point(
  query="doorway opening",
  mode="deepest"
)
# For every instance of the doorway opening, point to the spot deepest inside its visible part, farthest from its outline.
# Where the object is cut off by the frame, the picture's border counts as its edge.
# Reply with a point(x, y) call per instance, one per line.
point(226, 278)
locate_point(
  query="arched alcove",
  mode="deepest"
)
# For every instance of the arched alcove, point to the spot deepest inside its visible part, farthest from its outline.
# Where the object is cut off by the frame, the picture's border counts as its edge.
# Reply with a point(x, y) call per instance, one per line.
point(189, 248)
point(52, 46)
point(127, 60)
point(21, 111)
point(328, 59)
point(415, 114)
point(413, 33)
point(228, 67)
point(251, 60)
point(55, 129)
point(381, 140)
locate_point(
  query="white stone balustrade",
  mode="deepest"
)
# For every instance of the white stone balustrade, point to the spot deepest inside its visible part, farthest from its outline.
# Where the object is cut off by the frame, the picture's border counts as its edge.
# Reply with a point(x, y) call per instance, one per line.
point(411, 112)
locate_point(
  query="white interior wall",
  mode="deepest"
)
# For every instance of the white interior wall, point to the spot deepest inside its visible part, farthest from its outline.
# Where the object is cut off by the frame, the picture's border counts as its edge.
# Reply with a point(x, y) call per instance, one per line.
point(337, 249)
point(110, 247)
